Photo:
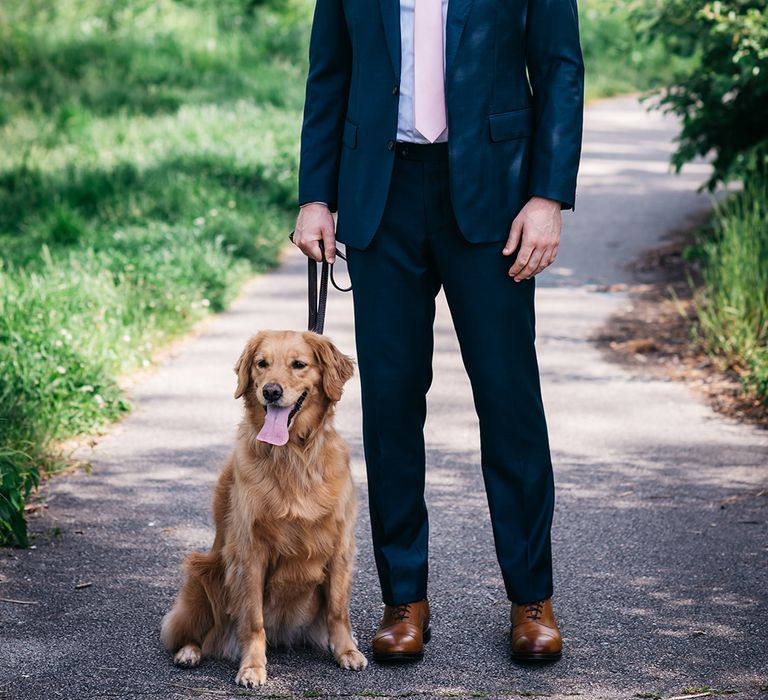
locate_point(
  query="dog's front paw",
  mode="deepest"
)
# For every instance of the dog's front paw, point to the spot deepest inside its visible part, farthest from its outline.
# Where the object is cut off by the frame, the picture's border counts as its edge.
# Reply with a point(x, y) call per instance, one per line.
point(352, 659)
point(251, 676)
point(188, 656)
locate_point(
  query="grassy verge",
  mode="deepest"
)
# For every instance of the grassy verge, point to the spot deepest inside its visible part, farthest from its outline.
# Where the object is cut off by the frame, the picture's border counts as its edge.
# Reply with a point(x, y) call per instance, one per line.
point(732, 302)
point(148, 168)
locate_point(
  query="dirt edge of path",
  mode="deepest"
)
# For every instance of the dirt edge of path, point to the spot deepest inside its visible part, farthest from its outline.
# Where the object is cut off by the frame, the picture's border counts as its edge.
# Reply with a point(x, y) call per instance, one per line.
point(655, 331)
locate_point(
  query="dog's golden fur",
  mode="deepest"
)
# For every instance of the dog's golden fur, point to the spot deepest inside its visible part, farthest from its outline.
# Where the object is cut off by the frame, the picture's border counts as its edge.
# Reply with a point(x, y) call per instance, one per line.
point(280, 568)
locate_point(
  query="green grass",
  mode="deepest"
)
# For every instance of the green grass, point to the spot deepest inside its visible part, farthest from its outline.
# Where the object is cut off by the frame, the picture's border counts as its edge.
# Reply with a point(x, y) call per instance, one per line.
point(732, 302)
point(615, 61)
point(148, 168)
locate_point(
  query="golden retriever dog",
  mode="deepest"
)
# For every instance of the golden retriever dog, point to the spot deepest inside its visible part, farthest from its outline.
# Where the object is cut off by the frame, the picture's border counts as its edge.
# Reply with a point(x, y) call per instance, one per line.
point(284, 507)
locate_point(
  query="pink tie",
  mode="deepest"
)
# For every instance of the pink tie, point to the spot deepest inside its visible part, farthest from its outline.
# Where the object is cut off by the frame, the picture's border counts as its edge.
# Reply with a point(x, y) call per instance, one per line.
point(429, 89)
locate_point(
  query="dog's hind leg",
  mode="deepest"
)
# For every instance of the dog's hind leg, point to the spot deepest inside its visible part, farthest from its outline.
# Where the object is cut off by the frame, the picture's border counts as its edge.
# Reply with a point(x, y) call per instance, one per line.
point(196, 610)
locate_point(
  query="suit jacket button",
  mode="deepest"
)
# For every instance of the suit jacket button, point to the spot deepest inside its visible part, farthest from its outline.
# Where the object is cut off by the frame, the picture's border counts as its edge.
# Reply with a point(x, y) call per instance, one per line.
point(396, 90)
point(390, 145)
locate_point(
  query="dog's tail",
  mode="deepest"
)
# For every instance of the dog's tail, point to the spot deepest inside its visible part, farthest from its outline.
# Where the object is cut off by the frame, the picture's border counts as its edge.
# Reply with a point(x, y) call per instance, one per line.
point(199, 609)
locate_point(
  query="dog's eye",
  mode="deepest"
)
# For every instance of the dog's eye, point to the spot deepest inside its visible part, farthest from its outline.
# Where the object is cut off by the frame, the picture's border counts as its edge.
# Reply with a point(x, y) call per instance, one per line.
point(262, 364)
point(298, 364)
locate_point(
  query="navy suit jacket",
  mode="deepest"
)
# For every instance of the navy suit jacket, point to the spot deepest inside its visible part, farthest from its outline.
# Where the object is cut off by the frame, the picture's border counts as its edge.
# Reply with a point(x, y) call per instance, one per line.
point(511, 135)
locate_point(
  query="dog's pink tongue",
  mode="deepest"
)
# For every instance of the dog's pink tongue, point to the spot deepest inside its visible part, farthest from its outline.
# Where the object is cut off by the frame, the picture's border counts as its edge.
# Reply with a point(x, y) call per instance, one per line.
point(275, 430)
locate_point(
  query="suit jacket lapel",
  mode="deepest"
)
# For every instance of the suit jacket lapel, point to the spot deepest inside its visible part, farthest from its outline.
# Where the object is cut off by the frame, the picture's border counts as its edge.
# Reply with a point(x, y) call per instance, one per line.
point(458, 11)
point(390, 14)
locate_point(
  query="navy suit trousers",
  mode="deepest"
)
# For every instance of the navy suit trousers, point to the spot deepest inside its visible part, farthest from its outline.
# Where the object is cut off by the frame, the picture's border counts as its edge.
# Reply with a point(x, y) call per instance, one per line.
point(417, 249)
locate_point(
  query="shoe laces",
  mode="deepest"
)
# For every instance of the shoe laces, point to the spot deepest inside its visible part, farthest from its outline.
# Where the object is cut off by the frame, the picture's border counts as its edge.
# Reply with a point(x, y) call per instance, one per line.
point(533, 611)
point(401, 611)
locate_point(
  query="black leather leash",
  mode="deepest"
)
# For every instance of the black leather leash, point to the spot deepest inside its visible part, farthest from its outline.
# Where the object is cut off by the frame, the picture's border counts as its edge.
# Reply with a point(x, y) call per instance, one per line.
point(317, 300)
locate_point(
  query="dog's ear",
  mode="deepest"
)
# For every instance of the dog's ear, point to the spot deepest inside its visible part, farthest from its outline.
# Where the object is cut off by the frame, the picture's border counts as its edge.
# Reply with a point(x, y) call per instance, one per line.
point(337, 368)
point(244, 364)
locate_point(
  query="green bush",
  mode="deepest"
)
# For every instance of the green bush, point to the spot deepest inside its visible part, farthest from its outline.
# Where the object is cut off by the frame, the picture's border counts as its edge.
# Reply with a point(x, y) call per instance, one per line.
point(147, 168)
point(721, 96)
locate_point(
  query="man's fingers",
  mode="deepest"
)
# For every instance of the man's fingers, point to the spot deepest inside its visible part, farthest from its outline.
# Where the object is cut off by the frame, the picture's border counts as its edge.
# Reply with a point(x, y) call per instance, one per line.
point(514, 237)
point(303, 237)
point(311, 249)
point(522, 259)
point(329, 243)
point(537, 233)
point(531, 267)
point(552, 255)
point(314, 225)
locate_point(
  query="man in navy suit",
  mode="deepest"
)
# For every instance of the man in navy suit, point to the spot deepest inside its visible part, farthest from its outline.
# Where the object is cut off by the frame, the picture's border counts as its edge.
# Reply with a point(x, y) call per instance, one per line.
point(447, 136)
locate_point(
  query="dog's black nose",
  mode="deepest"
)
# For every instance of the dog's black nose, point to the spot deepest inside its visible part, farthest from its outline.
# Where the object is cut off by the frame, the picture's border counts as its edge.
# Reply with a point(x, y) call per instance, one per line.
point(272, 392)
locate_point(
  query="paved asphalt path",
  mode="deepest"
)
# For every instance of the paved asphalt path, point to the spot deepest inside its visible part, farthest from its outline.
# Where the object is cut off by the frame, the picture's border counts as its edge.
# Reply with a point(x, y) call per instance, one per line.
point(659, 538)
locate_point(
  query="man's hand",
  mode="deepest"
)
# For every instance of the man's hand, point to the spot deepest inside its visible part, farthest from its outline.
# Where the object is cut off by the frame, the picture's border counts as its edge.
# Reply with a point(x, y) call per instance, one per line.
point(314, 224)
point(539, 225)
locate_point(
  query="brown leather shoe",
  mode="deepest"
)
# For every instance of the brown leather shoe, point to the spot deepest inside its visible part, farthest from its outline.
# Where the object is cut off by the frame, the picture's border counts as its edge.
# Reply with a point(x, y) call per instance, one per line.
point(402, 632)
point(535, 635)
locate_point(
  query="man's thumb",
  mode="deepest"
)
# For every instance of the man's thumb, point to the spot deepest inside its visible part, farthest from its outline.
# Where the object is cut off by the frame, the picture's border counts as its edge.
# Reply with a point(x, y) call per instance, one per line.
point(514, 237)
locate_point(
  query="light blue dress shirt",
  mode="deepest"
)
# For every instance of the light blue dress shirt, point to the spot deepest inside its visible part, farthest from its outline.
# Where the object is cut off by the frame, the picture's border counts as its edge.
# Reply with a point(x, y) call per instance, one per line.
point(406, 128)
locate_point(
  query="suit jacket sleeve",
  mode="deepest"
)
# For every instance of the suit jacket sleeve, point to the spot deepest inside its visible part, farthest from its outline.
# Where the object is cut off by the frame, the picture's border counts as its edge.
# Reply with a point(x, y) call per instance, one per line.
point(325, 106)
point(556, 73)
